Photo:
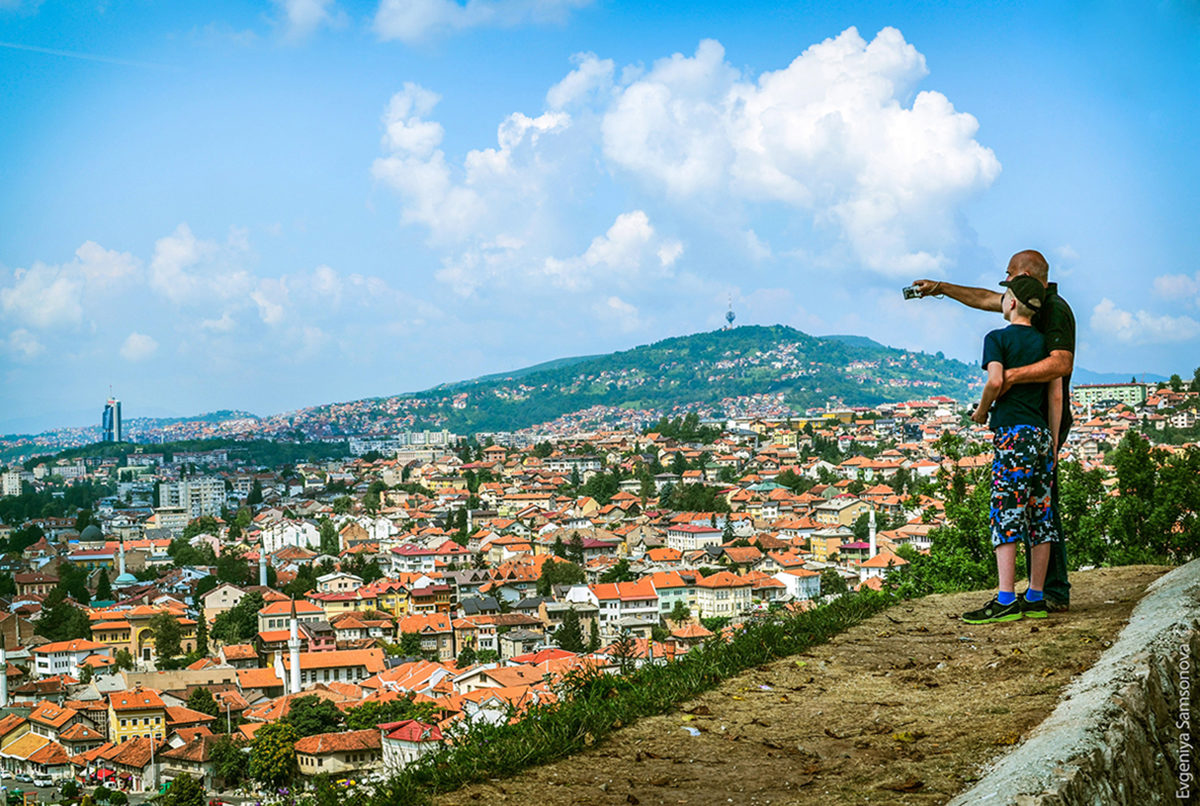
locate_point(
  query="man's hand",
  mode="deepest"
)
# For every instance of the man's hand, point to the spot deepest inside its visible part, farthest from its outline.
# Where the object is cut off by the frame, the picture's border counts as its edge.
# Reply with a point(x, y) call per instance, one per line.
point(1008, 382)
point(980, 415)
point(927, 287)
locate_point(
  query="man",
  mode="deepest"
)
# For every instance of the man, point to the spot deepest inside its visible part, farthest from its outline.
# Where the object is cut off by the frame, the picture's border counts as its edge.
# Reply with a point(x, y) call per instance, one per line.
point(1056, 322)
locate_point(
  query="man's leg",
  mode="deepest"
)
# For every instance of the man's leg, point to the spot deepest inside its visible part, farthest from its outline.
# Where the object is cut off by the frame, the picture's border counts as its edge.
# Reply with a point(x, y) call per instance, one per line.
point(1058, 589)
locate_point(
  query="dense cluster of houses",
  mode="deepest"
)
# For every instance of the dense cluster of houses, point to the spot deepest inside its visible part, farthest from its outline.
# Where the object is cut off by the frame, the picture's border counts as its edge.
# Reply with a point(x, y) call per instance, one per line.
point(449, 581)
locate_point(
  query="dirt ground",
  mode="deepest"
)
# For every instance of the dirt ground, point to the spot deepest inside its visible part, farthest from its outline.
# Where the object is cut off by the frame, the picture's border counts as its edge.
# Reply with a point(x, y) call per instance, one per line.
point(902, 709)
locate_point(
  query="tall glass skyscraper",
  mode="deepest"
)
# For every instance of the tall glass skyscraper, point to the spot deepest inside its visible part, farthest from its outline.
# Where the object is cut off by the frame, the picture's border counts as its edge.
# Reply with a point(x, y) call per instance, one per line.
point(110, 423)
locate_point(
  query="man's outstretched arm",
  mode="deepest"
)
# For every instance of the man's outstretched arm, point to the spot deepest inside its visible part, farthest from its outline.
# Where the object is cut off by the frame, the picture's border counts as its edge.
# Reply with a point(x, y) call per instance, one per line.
point(982, 298)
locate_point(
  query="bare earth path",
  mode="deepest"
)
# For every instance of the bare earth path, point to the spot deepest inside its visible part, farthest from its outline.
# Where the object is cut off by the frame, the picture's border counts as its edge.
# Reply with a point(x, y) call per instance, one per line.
point(904, 708)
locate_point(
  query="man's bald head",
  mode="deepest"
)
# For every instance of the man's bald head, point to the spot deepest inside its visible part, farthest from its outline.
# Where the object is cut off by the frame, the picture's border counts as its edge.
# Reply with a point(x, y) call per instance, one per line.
point(1030, 262)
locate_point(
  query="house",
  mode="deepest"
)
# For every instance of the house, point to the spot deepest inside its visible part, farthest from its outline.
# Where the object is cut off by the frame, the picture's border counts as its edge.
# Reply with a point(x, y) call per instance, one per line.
point(341, 755)
point(800, 583)
point(880, 565)
point(66, 657)
point(722, 595)
point(339, 665)
point(137, 713)
point(221, 599)
point(193, 758)
point(404, 742)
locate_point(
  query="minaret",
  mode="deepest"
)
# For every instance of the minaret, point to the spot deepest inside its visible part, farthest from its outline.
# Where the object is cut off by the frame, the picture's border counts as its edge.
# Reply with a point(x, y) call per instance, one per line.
point(3, 674)
point(262, 567)
point(294, 651)
point(871, 521)
point(121, 560)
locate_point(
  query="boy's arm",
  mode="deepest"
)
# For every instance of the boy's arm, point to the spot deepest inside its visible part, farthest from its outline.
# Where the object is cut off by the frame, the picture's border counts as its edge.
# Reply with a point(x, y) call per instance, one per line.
point(991, 391)
point(1054, 400)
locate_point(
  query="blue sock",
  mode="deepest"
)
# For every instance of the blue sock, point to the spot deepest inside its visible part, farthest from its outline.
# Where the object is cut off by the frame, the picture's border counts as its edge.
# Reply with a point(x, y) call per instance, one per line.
point(1006, 597)
point(1032, 595)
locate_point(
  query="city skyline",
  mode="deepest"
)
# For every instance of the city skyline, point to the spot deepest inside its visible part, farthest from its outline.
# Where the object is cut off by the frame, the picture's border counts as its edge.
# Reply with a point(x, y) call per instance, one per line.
point(268, 206)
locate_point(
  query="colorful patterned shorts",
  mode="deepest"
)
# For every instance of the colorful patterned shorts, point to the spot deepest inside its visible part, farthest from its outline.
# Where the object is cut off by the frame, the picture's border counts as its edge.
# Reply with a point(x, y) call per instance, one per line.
point(1022, 478)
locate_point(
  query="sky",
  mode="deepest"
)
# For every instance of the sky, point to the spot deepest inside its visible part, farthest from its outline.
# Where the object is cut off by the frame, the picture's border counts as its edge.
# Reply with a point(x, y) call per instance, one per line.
point(268, 205)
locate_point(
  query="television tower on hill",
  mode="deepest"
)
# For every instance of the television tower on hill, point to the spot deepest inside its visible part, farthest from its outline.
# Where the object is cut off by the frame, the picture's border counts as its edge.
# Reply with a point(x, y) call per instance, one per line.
point(730, 315)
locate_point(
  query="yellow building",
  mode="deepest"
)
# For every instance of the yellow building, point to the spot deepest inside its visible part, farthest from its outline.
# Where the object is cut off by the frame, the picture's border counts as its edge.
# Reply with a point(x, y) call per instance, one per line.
point(139, 712)
point(129, 629)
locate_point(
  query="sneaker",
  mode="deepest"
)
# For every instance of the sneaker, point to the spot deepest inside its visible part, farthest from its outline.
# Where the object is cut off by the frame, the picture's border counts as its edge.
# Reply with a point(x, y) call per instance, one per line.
point(994, 611)
point(1038, 609)
point(1057, 605)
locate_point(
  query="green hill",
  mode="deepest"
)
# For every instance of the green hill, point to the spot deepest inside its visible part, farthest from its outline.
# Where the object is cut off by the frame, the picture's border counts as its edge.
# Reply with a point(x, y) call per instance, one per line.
point(720, 371)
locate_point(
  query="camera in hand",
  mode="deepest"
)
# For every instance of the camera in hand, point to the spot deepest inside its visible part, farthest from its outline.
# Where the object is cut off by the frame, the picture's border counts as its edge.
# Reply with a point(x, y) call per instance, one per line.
point(911, 292)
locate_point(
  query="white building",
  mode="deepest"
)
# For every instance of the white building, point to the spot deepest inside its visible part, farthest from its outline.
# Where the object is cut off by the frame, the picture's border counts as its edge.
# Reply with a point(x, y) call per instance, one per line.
point(801, 583)
point(66, 657)
point(199, 496)
point(301, 534)
point(687, 537)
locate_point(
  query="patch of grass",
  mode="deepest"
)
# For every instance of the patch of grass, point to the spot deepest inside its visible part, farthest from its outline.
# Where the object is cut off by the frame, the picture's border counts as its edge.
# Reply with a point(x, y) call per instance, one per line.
point(593, 704)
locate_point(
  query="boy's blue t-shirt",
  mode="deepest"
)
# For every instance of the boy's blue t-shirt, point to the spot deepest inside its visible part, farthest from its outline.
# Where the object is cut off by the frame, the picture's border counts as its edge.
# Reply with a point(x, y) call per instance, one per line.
point(1025, 403)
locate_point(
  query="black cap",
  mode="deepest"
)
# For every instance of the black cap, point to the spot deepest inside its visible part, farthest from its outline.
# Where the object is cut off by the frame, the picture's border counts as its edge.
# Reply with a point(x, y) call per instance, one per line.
point(1028, 290)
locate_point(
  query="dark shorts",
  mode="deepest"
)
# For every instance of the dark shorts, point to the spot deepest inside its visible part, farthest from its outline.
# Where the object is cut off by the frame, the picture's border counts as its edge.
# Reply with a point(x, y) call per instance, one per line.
point(1022, 483)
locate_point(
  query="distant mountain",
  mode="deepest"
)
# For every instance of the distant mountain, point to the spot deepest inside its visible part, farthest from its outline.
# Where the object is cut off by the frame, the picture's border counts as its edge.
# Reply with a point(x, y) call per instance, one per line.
point(768, 370)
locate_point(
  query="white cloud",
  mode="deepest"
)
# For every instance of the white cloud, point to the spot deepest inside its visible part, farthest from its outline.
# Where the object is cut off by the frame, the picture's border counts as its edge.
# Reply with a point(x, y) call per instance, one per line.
point(828, 135)
point(138, 347)
point(43, 296)
point(302, 17)
point(105, 265)
point(618, 311)
point(832, 139)
point(618, 257)
point(593, 75)
point(23, 345)
point(1109, 321)
point(413, 20)
point(1178, 286)
point(192, 271)
point(224, 324)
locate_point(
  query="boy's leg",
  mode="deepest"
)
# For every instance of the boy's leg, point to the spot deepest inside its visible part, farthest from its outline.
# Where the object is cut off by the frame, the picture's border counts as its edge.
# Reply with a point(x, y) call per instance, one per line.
point(1006, 566)
point(1040, 556)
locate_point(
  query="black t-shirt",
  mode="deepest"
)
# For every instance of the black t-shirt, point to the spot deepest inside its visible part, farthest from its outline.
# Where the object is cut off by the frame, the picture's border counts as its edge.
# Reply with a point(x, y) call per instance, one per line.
point(1025, 403)
point(1057, 322)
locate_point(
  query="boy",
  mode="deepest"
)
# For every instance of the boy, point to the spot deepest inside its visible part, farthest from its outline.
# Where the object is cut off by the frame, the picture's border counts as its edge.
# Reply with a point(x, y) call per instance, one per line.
point(1025, 424)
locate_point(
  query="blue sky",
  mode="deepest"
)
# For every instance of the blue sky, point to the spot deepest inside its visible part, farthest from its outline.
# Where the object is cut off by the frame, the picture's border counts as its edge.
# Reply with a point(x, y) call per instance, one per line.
point(276, 204)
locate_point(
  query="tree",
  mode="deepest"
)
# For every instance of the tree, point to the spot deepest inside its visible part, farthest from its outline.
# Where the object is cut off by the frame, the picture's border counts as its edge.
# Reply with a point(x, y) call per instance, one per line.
point(203, 586)
point(342, 505)
point(123, 659)
point(575, 549)
point(232, 566)
point(558, 572)
point(229, 762)
point(63, 621)
point(410, 644)
point(619, 573)
point(466, 657)
point(1176, 383)
point(569, 635)
point(83, 519)
point(1195, 385)
point(311, 715)
point(623, 651)
point(202, 635)
point(204, 525)
point(594, 635)
point(85, 674)
point(832, 582)
point(273, 754)
point(202, 700)
point(372, 713)
point(118, 798)
point(680, 612)
point(167, 635)
point(8, 586)
point(104, 591)
point(70, 789)
point(256, 495)
point(559, 550)
point(184, 791)
point(240, 622)
point(329, 538)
